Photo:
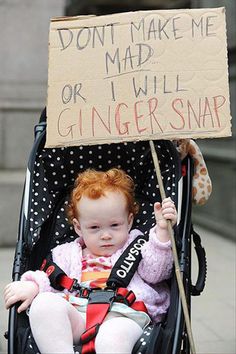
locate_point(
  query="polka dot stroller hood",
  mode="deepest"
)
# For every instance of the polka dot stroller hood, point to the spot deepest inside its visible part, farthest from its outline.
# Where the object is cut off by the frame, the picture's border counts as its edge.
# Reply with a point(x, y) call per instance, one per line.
point(43, 223)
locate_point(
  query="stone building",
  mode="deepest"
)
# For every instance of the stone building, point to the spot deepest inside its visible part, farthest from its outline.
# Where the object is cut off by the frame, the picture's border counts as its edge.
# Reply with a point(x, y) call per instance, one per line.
point(23, 90)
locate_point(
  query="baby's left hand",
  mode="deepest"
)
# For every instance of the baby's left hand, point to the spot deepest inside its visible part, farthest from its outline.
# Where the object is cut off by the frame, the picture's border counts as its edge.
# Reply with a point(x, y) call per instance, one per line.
point(165, 211)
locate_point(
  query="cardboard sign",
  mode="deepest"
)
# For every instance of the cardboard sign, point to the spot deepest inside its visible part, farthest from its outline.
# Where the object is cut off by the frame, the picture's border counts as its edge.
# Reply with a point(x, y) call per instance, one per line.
point(138, 76)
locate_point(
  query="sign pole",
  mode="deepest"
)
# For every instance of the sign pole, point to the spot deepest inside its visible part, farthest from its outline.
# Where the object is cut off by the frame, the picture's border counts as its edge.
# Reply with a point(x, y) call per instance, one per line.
point(174, 250)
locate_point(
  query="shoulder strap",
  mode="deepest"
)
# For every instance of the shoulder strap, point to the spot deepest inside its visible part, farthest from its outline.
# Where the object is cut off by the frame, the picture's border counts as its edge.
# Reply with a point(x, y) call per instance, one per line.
point(121, 273)
point(123, 270)
point(54, 272)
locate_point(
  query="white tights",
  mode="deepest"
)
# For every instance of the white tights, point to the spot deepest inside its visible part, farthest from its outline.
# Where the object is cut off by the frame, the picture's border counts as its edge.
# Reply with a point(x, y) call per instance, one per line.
point(56, 325)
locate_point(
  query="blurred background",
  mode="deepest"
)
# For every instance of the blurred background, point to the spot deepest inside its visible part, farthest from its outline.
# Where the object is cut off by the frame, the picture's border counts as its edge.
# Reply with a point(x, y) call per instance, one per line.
point(23, 95)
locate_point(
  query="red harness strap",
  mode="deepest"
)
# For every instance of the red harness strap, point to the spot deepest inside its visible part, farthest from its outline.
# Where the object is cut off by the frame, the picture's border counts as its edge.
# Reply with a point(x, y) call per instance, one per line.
point(67, 282)
point(99, 304)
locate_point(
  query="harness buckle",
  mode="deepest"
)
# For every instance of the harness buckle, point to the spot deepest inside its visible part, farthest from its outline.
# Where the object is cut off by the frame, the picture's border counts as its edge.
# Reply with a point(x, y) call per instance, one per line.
point(125, 296)
point(84, 292)
point(101, 296)
point(75, 286)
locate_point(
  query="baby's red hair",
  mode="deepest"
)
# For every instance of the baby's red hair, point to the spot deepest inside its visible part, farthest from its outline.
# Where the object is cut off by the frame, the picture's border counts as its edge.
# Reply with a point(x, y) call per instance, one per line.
point(94, 184)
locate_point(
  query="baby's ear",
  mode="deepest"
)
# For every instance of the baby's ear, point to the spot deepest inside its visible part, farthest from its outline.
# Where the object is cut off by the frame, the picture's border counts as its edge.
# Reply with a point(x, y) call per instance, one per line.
point(77, 227)
point(130, 220)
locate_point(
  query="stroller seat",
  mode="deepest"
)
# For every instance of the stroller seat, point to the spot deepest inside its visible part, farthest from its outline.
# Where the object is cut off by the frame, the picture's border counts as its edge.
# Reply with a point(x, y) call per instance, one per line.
point(43, 222)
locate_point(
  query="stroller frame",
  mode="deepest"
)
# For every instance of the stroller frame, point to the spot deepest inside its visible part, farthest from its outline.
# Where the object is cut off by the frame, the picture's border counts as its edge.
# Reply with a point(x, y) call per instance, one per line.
point(171, 336)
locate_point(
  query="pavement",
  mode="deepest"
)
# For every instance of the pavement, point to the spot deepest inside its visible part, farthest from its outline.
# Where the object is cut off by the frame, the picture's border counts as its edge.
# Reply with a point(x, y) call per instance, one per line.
point(213, 313)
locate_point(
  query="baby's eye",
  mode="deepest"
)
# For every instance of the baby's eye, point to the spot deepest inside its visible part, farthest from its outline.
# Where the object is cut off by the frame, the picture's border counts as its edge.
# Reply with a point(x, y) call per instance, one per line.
point(93, 227)
point(115, 224)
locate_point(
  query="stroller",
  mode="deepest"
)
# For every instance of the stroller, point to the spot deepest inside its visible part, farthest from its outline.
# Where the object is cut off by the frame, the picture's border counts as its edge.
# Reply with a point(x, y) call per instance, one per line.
point(43, 224)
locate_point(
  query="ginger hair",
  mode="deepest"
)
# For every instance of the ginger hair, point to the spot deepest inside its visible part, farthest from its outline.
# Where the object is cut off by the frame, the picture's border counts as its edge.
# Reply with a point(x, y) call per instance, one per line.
point(94, 184)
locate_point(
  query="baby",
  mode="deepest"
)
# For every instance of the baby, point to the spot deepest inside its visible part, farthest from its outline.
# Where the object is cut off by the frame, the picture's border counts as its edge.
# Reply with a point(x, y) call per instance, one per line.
point(102, 209)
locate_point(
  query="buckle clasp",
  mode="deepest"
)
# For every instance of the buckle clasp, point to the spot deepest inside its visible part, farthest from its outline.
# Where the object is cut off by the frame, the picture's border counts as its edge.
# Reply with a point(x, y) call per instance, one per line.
point(101, 296)
point(75, 286)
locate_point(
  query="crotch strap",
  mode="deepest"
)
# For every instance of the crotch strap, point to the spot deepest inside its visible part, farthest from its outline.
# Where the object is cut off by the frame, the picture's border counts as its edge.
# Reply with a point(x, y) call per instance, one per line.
point(99, 304)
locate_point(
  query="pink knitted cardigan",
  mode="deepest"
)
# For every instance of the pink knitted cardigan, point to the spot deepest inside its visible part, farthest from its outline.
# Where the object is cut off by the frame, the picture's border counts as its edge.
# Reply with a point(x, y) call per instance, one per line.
point(148, 283)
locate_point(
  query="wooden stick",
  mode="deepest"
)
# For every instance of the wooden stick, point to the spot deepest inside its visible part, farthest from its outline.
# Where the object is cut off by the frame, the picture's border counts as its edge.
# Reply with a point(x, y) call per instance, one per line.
point(174, 250)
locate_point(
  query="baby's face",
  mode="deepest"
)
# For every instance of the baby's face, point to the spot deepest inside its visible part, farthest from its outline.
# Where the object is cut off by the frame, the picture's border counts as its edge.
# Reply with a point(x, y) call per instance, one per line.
point(103, 223)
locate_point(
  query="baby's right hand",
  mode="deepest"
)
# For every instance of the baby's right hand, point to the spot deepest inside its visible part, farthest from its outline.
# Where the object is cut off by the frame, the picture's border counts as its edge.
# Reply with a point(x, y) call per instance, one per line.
point(24, 291)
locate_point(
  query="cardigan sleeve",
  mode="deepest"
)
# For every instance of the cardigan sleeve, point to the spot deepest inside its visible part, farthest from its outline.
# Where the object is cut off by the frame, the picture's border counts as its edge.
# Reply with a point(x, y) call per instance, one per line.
point(61, 255)
point(40, 278)
point(157, 262)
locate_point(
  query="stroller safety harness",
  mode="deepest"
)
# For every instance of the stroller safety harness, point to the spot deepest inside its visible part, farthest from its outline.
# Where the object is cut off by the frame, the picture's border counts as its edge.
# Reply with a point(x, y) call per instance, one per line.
point(101, 300)
point(99, 304)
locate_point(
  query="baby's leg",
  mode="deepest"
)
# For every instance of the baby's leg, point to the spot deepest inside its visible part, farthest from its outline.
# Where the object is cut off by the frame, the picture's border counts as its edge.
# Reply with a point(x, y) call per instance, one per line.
point(55, 324)
point(117, 335)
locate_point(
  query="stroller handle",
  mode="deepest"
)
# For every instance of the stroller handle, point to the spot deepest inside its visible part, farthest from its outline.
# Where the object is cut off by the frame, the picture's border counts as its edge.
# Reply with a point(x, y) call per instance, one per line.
point(202, 266)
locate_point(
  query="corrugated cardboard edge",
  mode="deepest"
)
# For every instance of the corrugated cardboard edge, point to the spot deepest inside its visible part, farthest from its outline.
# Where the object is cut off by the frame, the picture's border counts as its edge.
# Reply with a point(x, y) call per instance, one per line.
point(101, 141)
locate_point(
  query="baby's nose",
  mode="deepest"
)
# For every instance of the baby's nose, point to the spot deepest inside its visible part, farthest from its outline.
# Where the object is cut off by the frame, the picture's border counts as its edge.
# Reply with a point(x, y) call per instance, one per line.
point(106, 235)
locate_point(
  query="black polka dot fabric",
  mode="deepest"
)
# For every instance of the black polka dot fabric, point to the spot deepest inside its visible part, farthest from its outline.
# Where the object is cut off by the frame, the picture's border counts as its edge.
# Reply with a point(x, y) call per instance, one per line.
point(141, 345)
point(55, 171)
